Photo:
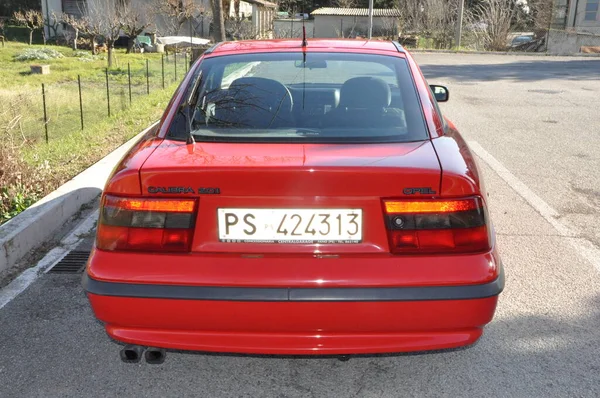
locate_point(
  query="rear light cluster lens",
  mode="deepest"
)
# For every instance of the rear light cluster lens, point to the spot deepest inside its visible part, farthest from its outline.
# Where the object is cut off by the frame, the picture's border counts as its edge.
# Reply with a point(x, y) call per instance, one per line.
point(437, 226)
point(161, 225)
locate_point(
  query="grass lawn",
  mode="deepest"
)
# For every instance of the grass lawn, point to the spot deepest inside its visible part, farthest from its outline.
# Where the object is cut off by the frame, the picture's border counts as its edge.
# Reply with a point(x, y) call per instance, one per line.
point(30, 167)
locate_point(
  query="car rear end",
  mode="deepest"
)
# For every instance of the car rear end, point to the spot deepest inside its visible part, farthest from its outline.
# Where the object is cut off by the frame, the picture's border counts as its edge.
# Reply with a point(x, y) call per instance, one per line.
point(296, 238)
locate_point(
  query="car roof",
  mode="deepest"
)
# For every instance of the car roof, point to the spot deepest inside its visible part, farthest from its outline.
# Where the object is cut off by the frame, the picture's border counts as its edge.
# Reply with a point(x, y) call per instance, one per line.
point(294, 44)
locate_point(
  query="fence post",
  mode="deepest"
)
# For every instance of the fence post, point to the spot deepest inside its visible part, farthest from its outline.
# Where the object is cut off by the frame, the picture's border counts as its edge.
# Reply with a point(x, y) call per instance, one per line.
point(80, 101)
point(45, 114)
point(129, 80)
point(175, 63)
point(107, 93)
point(163, 70)
point(147, 78)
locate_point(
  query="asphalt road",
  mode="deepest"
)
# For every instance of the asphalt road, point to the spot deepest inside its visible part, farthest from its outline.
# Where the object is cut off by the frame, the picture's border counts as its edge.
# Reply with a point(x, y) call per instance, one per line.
point(538, 118)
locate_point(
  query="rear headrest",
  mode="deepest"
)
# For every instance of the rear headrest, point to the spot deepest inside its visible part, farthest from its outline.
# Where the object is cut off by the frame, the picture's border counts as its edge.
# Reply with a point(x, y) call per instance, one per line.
point(255, 102)
point(365, 92)
point(263, 91)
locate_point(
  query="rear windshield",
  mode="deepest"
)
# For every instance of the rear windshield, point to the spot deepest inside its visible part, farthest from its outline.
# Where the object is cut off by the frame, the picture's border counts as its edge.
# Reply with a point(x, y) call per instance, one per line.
point(312, 97)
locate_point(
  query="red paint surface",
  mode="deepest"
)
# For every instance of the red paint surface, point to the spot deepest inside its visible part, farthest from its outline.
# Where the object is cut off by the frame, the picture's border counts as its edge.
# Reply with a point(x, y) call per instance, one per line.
point(294, 328)
point(298, 176)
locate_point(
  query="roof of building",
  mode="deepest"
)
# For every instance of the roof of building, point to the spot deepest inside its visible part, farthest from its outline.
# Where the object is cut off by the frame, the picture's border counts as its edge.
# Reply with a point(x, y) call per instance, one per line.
point(290, 44)
point(357, 12)
point(262, 3)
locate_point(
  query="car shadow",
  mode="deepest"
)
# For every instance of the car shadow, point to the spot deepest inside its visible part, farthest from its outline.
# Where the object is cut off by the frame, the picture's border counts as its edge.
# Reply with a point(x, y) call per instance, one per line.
point(524, 355)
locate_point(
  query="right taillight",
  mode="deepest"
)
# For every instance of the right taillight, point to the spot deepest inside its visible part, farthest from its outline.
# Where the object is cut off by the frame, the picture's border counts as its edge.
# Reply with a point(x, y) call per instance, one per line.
point(146, 224)
point(437, 226)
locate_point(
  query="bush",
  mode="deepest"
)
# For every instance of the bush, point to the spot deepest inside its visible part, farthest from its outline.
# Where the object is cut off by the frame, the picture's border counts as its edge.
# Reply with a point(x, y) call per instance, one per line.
point(21, 185)
point(32, 54)
point(85, 56)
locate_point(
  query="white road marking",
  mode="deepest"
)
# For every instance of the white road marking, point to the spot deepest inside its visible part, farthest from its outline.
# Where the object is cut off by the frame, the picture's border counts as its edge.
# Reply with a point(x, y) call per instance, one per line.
point(27, 277)
point(583, 246)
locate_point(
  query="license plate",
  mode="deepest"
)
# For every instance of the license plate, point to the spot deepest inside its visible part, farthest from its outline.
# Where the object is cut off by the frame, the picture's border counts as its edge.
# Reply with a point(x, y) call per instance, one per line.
point(290, 225)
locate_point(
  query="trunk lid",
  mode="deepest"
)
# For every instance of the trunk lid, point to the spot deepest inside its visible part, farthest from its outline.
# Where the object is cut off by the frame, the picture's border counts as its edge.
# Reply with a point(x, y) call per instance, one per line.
point(290, 176)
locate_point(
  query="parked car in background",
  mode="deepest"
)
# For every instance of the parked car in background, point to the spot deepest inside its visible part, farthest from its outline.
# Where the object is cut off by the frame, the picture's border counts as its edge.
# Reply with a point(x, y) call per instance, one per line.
point(522, 39)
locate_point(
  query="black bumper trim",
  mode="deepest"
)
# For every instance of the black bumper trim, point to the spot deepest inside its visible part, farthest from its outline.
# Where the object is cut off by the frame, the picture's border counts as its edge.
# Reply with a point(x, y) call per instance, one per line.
point(228, 293)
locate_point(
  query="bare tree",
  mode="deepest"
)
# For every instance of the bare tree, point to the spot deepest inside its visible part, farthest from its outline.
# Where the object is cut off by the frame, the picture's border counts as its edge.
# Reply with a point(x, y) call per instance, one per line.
point(52, 23)
point(439, 21)
point(175, 13)
point(105, 16)
point(241, 29)
point(344, 3)
point(540, 15)
point(31, 19)
point(433, 19)
point(135, 20)
point(81, 25)
point(496, 19)
point(389, 28)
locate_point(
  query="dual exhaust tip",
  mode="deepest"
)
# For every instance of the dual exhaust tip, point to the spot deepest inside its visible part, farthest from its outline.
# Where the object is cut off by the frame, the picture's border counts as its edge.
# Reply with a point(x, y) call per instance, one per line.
point(156, 356)
point(134, 353)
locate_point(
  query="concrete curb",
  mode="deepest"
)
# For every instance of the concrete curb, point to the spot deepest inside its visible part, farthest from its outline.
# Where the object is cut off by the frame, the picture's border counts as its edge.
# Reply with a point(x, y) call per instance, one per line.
point(514, 53)
point(36, 225)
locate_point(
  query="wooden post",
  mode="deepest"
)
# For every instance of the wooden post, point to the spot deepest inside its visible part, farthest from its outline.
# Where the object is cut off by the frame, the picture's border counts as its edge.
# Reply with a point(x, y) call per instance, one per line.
point(129, 80)
point(45, 113)
point(80, 100)
point(107, 93)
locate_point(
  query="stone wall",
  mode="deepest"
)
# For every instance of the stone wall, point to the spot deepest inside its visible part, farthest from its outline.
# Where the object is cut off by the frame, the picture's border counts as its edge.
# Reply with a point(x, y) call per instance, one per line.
point(562, 42)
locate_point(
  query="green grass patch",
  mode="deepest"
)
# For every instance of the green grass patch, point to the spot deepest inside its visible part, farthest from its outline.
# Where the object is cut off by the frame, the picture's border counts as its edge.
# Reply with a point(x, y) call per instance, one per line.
point(30, 167)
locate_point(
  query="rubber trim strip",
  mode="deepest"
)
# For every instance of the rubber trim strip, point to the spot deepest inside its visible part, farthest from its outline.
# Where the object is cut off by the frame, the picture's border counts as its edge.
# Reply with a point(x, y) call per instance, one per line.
point(230, 293)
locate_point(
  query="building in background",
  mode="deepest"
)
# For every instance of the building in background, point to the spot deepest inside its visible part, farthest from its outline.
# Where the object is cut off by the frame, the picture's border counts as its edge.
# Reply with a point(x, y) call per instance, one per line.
point(200, 22)
point(353, 22)
point(575, 27)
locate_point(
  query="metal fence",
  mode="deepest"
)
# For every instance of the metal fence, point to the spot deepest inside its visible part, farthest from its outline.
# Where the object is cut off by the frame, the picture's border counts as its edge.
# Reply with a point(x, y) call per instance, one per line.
point(74, 106)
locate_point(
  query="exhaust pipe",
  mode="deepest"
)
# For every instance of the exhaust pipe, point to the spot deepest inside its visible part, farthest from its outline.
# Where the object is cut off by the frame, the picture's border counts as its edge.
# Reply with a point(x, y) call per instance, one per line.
point(131, 353)
point(155, 356)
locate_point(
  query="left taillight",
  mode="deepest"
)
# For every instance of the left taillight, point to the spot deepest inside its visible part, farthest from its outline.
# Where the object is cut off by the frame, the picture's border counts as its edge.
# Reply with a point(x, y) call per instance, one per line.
point(146, 224)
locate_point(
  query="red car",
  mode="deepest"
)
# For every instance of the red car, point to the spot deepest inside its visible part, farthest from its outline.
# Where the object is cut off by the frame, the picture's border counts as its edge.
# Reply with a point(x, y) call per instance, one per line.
point(297, 198)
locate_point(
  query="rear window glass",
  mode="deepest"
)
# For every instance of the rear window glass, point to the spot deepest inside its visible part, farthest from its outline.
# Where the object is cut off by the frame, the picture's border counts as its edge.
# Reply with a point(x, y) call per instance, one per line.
point(312, 97)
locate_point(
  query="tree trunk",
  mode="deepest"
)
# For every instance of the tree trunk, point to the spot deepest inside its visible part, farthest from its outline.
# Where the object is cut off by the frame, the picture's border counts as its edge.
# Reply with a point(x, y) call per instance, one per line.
point(94, 45)
point(219, 21)
point(109, 45)
point(75, 39)
point(30, 36)
point(130, 44)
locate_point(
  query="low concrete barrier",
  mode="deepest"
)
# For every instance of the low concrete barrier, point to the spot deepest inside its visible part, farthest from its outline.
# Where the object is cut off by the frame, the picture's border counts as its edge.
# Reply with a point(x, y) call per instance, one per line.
point(39, 222)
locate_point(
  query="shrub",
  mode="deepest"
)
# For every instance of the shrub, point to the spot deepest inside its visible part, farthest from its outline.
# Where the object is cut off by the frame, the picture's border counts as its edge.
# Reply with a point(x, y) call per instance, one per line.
point(85, 56)
point(21, 185)
point(32, 54)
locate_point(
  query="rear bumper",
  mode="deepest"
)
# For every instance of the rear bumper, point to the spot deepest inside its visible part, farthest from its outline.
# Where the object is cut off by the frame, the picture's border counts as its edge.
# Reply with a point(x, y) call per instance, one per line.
point(294, 321)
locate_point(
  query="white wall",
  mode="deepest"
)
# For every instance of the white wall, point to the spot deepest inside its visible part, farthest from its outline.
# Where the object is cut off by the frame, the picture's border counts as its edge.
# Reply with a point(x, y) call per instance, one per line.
point(53, 5)
point(568, 43)
point(577, 20)
point(292, 28)
point(327, 26)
